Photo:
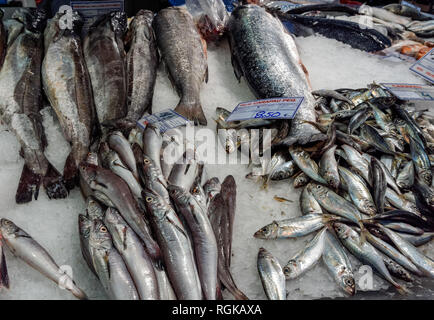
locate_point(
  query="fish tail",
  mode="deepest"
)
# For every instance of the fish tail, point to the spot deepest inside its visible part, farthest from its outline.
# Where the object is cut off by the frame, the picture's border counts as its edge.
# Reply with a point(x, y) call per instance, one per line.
point(78, 293)
point(54, 184)
point(403, 290)
point(4, 277)
point(28, 186)
point(192, 111)
point(70, 173)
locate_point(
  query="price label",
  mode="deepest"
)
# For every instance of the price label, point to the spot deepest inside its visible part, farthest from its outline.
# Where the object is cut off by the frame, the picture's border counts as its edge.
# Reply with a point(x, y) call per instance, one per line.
point(406, 91)
point(164, 120)
point(424, 67)
point(275, 108)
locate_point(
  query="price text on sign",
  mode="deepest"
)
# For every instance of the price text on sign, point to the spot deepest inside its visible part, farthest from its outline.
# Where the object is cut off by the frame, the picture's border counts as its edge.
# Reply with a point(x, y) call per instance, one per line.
point(406, 91)
point(90, 10)
point(274, 108)
point(164, 120)
point(424, 67)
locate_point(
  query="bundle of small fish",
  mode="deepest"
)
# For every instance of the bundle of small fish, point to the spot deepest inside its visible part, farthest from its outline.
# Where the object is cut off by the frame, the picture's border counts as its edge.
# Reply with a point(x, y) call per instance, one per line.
point(367, 188)
point(153, 229)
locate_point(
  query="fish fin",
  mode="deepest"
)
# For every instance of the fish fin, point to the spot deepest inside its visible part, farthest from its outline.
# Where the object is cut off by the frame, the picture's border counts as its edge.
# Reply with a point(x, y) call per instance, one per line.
point(206, 75)
point(4, 277)
point(70, 173)
point(192, 112)
point(54, 184)
point(28, 186)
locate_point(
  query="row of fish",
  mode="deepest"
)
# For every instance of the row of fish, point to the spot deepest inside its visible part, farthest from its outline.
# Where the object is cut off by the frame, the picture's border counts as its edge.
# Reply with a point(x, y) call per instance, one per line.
point(367, 188)
point(152, 229)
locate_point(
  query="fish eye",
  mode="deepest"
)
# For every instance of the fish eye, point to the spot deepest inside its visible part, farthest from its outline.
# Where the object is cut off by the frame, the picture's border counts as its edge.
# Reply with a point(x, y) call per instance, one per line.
point(103, 229)
point(349, 282)
point(7, 222)
point(318, 187)
point(149, 199)
point(147, 161)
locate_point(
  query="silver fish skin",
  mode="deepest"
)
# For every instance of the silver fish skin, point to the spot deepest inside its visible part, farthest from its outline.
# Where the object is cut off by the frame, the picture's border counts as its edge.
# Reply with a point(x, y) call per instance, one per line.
point(176, 250)
point(364, 251)
point(377, 179)
point(152, 145)
point(211, 188)
point(20, 103)
point(120, 144)
point(358, 191)
point(402, 227)
point(67, 86)
point(389, 178)
point(293, 227)
point(392, 253)
point(153, 179)
point(183, 175)
point(22, 245)
point(136, 136)
point(13, 28)
point(421, 161)
point(308, 204)
point(284, 171)
point(328, 168)
point(418, 240)
point(271, 274)
point(400, 202)
point(93, 209)
point(119, 194)
point(204, 241)
point(306, 164)
point(109, 265)
point(305, 259)
point(185, 58)
point(106, 60)
point(405, 177)
point(396, 270)
point(338, 264)
point(423, 263)
point(112, 161)
point(334, 203)
point(142, 63)
point(267, 56)
point(164, 286)
point(355, 159)
point(132, 251)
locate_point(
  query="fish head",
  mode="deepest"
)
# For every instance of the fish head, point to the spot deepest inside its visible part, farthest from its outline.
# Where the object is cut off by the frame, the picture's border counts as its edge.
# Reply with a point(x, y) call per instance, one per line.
point(426, 176)
point(84, 226)
point(93, 209)
point(178, 193)
point(290, 269)
point(300, 180)
point(99, 237)
point(92, 158)
point(347, 282)
point(268, 232)
point(317, 190)
point(8, 228)
point(342, 230)
point(88, 173)
point(369, 207)
point(154, 203)
point(331, 180)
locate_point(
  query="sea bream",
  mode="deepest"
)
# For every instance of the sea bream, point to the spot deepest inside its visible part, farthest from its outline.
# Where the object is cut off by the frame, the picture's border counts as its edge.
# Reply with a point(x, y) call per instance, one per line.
point(142, 63)
point(67, 86)
point(184, 54)
point(266, 55)
point(21, 92)
point(106, 60)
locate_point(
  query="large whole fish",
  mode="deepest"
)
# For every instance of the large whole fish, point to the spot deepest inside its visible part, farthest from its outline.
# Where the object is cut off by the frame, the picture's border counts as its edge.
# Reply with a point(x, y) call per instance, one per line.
point(184, 54)
point(20, 103)
point(26, 248)
point(67, 86)
point(176, 249)
point(271, 274)
point(105, 58)
point(142, 63)
point(266, 55)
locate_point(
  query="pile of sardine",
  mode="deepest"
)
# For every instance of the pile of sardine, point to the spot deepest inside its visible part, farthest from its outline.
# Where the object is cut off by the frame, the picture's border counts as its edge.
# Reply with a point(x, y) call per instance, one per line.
point(93, 83)
point(152, 229)
point(367, 190)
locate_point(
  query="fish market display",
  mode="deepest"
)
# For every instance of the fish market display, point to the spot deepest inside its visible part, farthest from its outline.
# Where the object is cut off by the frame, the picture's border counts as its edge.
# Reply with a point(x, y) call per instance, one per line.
point(184, 57)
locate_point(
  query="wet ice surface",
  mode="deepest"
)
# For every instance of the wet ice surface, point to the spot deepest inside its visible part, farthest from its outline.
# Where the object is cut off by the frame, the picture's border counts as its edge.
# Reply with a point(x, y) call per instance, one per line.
point(54, 223)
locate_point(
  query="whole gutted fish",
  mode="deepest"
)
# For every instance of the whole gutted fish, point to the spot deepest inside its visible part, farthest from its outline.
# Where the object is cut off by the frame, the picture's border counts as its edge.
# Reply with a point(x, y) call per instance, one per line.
point(132, 251)
point(271, 274)
point(105, 58)
point(185, 58)
point(142, 63)
point(20, 103)
point(67, 86)
point(176, 250)
point(204, 241)
point(26, 248)
point(266, 55)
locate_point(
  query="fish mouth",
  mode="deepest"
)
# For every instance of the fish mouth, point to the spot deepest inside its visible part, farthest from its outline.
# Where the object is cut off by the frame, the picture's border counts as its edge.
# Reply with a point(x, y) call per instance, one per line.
point(259, 235)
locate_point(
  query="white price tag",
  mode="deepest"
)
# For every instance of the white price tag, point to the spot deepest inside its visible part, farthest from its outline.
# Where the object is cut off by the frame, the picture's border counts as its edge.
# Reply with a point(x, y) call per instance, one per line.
point(164, 120)
point(406, 91)
point(274, 108)
point(424, 67)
